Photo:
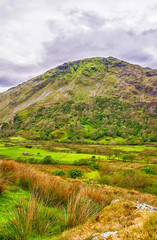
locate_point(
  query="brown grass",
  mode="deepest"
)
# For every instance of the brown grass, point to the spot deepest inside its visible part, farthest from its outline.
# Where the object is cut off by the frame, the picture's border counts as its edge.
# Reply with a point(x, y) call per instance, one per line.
point(79, 210)
point(3, 184)
point(120, 216)
point(79, 200)
point(53, 187)
point(58, 190)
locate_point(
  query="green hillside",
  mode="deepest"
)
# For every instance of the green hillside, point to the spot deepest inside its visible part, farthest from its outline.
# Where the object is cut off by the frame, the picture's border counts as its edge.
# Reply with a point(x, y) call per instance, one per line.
point(99, 99)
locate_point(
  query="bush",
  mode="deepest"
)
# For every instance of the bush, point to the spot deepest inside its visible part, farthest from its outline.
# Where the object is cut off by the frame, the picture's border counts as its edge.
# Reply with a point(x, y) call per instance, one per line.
point(93, 163)
point(124, 157)
point(131, 180)
point(150, 170)
point(82, 162)
point(58, 172)
point(28, 146)
point(48, 160)
point(74, 173)
point(105, 179)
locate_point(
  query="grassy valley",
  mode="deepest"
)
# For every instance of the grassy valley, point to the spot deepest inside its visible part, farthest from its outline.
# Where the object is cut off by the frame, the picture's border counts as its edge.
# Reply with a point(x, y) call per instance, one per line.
point(78, 156)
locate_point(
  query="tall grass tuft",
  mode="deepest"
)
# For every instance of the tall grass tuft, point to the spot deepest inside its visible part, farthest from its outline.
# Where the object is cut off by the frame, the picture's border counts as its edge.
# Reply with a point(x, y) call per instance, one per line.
point(79, 209)
point(30, 219)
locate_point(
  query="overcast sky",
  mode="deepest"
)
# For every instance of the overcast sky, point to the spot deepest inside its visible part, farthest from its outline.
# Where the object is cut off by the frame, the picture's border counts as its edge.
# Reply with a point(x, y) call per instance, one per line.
point(36, 35)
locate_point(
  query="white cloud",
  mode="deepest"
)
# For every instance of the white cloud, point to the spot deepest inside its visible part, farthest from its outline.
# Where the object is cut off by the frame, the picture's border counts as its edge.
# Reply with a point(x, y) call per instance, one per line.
point(39, 34)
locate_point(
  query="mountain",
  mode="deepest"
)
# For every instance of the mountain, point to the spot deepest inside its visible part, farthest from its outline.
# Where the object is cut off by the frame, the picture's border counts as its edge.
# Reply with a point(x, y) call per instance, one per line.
point(96, 99)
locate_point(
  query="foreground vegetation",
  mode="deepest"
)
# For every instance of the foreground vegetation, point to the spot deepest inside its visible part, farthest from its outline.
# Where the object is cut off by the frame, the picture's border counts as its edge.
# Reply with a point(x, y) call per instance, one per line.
point(41, 205)
point(132, 167)
point(51, 188)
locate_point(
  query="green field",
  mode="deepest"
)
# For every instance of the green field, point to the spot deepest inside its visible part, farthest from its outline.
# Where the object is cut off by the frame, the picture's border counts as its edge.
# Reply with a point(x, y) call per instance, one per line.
point(130, 168)
point(39, 154)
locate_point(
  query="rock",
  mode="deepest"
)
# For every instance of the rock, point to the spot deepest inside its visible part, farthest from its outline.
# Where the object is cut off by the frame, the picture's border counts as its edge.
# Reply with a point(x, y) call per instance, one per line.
point(64, 66)
point(151, 73)
point(25, 153)
point(141, 207)
point(105, 235)
point(115, 200)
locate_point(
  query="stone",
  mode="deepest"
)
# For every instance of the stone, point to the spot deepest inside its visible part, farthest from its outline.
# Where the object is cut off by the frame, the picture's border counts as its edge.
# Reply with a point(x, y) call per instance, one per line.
point(107, 234)
point(25, 153)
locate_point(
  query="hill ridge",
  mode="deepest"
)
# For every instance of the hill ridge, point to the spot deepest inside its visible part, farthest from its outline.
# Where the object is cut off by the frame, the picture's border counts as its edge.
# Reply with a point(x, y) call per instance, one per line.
point(107, 86)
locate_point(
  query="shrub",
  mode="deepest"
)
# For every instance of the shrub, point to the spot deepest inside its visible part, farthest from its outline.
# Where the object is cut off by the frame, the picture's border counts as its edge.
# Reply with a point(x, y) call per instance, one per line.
point(105, 179)
point(93, 163)
point(82, 162)
point(150, 170)
point(94, 166)
point(124, 157)
point(21, 159)
point(48, 160)
point(58, 172)
point(74, 173)
point(129, 157)
point(131, 180)
point(28, 146)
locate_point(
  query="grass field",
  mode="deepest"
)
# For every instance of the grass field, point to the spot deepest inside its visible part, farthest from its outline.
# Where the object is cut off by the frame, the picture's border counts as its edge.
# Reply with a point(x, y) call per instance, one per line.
point(39, 154)
point(38, 204)
point(116, 165)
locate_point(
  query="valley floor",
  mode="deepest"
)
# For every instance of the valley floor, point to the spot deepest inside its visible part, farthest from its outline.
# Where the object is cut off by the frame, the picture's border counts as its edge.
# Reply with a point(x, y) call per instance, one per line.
point(64, 191)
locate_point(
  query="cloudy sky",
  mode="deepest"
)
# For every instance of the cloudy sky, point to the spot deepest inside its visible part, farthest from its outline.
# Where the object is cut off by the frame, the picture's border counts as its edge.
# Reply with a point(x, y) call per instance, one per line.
point(36, 35)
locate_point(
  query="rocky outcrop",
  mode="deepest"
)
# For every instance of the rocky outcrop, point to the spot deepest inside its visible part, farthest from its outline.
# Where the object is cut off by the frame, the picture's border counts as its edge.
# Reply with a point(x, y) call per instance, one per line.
point(118, 221)
point(151, 73)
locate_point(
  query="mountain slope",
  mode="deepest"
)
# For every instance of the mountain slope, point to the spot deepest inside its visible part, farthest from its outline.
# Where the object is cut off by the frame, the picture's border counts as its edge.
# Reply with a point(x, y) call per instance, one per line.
point(83, 98)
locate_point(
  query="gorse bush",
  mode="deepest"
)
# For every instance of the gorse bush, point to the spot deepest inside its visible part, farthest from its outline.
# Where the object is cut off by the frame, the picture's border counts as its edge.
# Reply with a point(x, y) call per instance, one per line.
point(58, 172)
point(48, 160)
point(75, 173)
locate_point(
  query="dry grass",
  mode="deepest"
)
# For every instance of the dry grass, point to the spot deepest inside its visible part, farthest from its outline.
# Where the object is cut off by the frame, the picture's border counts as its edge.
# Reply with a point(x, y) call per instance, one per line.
point(3, 184)
point(53, 187)
point(121, 216)
point(79, 209)
point(73, 196)
point(79, 201)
